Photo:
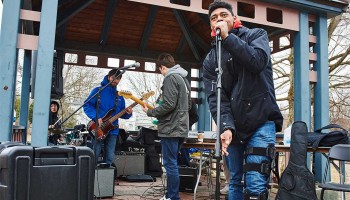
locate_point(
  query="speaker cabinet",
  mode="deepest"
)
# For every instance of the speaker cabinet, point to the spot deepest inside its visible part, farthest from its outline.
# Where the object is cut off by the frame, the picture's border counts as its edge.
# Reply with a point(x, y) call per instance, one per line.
point(104, 182)
point(188, 178)
point(130, 163)
point(57, 78)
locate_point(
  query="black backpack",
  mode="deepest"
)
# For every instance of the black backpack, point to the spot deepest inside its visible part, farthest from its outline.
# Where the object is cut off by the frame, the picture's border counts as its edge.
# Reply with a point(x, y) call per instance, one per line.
point(193, 114)
point(297, 182)
point(320, 139)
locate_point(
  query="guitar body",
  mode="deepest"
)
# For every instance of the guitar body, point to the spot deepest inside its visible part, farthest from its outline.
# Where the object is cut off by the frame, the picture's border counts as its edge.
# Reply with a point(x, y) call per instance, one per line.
point(108, 119)
point(106, 127)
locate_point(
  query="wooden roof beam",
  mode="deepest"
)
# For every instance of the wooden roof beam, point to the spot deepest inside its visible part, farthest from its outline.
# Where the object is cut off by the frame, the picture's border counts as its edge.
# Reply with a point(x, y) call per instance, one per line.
point(186, 32)
point(61, 31)
point(204, 18)
point(108, 21)
point(116, 50)
point(181, 45)
point(148, 29)
point(70, 12)
point(311, 5)
point(199, 41)
point(62, 2)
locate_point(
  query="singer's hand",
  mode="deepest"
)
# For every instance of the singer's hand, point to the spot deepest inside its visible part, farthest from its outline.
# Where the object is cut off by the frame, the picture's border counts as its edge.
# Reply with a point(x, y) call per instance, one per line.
point(226, 138)
point(222, 25)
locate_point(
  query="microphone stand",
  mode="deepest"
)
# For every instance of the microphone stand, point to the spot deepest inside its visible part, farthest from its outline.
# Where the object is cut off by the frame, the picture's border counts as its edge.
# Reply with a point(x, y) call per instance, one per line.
point(218, 113)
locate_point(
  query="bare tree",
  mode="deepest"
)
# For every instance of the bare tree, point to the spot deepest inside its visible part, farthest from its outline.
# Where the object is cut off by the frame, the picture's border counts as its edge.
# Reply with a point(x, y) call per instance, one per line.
point(139, 83)
point(78, 82)
point(339, 69)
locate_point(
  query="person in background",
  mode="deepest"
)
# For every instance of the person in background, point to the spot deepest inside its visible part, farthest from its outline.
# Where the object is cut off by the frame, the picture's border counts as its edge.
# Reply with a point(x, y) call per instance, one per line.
point(249, 113)
point(110, 100)
point(173, 120)
point(53, 138)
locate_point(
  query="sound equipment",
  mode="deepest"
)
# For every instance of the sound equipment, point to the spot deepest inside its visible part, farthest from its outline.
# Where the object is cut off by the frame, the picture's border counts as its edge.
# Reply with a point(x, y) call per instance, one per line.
point(140, 178)
point(43, 173)
point(207, 134)
point(130, 163)
point(104, 182)
point(188, 178)
point(57, 78)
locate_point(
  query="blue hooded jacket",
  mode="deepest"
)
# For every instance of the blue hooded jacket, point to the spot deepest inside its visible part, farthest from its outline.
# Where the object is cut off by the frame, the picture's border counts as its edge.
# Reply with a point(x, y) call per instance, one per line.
point(108, 102)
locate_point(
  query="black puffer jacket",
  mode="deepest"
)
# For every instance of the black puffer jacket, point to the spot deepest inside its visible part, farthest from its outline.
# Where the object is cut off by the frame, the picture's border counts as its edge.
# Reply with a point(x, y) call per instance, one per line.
point(248, 97)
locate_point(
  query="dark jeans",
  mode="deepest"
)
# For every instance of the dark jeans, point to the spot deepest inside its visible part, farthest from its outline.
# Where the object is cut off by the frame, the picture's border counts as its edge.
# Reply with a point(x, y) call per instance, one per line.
point(170, 149)
point(109, 147)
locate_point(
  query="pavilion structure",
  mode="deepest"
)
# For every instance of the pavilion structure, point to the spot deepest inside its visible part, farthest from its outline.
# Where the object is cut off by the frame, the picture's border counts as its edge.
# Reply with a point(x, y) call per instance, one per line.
point(139, 30)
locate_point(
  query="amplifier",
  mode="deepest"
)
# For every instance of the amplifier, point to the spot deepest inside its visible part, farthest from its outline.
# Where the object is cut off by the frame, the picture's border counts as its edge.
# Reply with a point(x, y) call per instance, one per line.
point(188, 178)
point(130, 163)
point(104, 182)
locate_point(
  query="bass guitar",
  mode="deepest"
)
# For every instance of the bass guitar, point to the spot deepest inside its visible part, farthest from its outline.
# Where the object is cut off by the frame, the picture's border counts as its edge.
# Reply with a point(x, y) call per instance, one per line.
point(108, 119)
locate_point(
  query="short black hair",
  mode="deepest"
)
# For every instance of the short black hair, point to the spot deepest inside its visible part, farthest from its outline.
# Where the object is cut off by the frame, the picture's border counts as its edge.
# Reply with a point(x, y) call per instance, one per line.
point(115, 72)
point(220, 4)
point(165, 59)
point(55, 102)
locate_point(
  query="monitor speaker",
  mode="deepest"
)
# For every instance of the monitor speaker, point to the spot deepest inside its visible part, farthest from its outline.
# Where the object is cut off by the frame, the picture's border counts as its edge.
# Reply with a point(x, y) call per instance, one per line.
point(130, 163)
point(104, 182)
point(188, 178)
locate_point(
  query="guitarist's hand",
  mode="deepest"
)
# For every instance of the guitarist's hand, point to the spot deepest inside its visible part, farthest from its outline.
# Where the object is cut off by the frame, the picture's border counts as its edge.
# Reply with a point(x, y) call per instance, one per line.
point(129, 110)
point(100, 122)
point(144, 108)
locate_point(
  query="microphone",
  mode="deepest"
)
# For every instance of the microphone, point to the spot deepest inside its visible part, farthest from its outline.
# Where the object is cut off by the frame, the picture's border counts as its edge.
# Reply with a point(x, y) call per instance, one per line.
point(136, 65)
point(218, 31)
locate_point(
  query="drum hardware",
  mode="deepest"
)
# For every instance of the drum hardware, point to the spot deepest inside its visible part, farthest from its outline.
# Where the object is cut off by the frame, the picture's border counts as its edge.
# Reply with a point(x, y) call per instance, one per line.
point(57, 131)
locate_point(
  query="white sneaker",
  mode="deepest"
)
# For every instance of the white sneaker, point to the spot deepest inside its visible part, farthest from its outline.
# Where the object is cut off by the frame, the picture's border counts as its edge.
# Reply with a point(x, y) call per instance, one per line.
point(164, 198)
point(225, 189)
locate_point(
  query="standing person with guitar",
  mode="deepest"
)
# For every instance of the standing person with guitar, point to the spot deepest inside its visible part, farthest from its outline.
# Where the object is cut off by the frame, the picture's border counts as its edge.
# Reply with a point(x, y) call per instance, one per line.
point(172, 115)
point(110, 105)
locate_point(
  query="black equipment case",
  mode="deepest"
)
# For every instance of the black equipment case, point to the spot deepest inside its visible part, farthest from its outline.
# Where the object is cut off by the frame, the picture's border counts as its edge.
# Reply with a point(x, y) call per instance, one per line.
point(46, 173)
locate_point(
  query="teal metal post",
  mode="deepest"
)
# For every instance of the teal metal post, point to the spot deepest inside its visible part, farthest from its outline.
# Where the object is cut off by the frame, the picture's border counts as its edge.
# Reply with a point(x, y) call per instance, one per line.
point(44, 72)
point(8, 65)
point(23, 117)
point(302, 103)
point(321, 106)
point(302, 99)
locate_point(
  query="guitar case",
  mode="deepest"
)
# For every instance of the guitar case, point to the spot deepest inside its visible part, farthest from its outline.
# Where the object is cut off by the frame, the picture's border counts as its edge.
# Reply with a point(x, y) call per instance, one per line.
point(297, 182)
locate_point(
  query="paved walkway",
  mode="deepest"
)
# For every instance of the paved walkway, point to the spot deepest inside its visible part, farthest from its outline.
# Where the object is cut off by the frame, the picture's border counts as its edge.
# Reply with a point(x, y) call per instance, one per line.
point(155, 190)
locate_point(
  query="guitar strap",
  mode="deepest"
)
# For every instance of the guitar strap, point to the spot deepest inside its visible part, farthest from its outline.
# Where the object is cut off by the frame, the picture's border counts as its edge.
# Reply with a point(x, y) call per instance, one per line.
point(116, 100)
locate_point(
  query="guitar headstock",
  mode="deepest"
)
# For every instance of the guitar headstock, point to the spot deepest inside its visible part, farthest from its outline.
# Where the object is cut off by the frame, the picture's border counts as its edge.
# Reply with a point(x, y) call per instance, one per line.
point(147, 95)
point(125, 94)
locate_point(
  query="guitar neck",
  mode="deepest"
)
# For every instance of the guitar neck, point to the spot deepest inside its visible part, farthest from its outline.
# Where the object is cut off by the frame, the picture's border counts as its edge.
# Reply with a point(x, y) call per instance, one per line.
point(121, 113)
point(139, 101)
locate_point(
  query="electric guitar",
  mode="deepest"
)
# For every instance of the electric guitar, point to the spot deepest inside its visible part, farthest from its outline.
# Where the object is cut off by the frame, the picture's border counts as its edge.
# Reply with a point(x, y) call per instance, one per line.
point(108, 119)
